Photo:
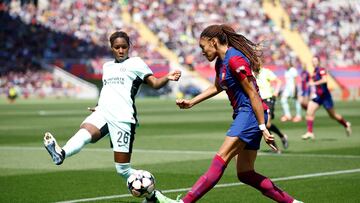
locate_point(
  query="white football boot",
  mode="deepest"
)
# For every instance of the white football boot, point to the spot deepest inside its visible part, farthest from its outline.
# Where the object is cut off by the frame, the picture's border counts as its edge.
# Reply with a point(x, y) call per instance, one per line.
point(308, 135)
point(55, 151)
point(348, 129)
point(163, 199)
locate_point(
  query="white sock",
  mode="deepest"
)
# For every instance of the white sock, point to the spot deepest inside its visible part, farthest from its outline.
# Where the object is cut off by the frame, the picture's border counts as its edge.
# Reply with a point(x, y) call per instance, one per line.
point(298, 108)
point(285, 106)
point(77, 142)
point(124, 170)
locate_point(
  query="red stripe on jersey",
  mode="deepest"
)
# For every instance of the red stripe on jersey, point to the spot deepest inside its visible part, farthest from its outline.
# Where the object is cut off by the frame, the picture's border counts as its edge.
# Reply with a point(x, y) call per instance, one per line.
point(240, 67)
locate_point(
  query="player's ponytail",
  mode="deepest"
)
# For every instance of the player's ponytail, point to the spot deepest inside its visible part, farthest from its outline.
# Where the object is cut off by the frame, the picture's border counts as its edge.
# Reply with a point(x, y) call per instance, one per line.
point(227, 35)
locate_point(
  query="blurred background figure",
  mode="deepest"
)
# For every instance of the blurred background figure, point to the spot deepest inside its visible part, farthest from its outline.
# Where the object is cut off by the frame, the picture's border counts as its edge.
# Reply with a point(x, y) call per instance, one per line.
point(322, 97)
point(305, 87)
point(12, 94)
point(290, 91)
point(264, 79)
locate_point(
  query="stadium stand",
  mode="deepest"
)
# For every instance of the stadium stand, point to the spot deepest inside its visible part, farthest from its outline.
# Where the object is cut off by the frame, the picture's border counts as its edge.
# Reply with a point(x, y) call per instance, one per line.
point(74, 34)
point(330, 28)
point(179, 24)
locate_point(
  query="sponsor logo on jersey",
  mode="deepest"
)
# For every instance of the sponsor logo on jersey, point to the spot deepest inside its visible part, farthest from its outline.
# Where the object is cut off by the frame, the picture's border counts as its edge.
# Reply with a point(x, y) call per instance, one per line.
point(114, 81)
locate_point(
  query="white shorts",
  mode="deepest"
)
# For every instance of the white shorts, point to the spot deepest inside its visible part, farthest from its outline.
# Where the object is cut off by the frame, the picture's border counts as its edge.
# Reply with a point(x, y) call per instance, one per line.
point(122, 134)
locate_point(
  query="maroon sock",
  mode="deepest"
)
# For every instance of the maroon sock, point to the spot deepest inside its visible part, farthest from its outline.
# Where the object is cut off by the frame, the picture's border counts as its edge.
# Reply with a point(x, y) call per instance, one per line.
point(265, 186)
point(309, 124)
point(206, 181)
point(342, 122)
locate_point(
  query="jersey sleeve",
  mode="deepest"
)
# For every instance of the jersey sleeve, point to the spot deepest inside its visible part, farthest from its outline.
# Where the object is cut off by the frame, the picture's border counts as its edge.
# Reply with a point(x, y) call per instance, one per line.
point(142, 69)
point(322, 72)
point(240, 67)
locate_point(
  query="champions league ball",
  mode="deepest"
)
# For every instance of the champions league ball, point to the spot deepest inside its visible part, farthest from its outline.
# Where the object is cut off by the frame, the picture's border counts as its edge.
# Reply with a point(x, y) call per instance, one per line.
point(141, 183)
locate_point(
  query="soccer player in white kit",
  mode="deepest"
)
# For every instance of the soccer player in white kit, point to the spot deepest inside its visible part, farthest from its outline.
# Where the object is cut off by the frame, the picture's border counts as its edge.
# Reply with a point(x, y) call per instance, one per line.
point(115, 113)
point(290, 90)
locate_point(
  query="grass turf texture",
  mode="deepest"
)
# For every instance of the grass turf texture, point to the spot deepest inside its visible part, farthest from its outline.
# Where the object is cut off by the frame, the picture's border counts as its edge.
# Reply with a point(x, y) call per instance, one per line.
point(176, 146)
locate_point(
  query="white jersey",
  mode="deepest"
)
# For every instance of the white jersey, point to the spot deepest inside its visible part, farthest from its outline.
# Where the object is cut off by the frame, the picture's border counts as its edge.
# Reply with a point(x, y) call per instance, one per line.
point(290, 78)
point(121, 82)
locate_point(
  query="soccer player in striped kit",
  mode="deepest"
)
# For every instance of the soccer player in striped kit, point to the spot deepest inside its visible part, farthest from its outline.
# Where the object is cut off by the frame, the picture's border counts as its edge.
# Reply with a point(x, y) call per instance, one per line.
point(236, 59)
point(305, 87)
point(323, 97)
point(116, 112)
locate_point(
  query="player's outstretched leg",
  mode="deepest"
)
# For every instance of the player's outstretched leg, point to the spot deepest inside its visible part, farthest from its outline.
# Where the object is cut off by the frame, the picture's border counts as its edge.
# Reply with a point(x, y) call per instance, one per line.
point(163, 199)
point(265, 186)
point(55, 151)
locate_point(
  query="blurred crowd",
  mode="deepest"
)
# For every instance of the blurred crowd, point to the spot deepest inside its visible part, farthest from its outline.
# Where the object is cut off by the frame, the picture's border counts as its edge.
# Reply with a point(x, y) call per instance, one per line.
point(79, 29)
point(330, 28)
point(34, 83)
point(63, 30)
point(52, 31)
point(179, 23)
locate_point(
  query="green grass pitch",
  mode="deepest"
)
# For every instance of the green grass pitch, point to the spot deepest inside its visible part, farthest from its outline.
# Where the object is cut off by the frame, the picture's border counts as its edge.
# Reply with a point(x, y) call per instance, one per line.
point(177, 147)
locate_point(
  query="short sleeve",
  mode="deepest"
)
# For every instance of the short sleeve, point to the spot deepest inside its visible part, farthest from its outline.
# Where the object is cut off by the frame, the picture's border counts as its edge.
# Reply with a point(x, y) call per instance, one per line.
point(322, 71)
point(142, 69)
point(240, 67)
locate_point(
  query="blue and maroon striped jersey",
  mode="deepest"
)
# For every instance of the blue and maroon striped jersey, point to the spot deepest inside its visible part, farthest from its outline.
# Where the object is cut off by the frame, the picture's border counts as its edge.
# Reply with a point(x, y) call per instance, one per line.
point(323, 88)
point(305, 78)
point(234, 68)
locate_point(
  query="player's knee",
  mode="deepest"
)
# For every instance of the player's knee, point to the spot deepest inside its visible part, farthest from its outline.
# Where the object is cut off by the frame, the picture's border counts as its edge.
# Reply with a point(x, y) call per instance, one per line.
point(124, 169)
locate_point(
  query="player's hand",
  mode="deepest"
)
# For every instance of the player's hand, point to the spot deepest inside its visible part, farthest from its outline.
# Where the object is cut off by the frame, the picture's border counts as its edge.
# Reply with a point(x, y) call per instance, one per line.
point(92, 109)
point(174, 75)
point(269, 139)
point(184, 103)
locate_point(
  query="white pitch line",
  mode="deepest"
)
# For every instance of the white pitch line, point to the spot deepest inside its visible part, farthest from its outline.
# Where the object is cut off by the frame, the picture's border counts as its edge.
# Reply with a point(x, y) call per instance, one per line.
point(155, 151)
point(297, 177)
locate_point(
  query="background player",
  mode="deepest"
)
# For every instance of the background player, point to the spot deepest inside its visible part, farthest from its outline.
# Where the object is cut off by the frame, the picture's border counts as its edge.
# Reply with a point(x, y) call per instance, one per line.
point(323, 97)
point(290, 91)
point(264, 79)
point(305, 87)
point(236, 58)
point(116, 111)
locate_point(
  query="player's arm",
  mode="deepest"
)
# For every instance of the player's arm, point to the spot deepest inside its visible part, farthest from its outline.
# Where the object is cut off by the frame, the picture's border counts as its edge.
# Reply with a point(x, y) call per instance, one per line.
point(206, 94)
point(321, 81)
point(157, 83)
point(258, 109)
point(241, 69)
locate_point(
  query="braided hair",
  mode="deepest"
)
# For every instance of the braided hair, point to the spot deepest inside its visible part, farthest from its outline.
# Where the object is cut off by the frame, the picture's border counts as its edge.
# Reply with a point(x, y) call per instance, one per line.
point(227, 35)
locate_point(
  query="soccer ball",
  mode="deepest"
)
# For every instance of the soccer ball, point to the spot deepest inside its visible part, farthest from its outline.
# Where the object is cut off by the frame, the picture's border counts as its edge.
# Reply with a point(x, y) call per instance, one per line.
point(141, 183)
